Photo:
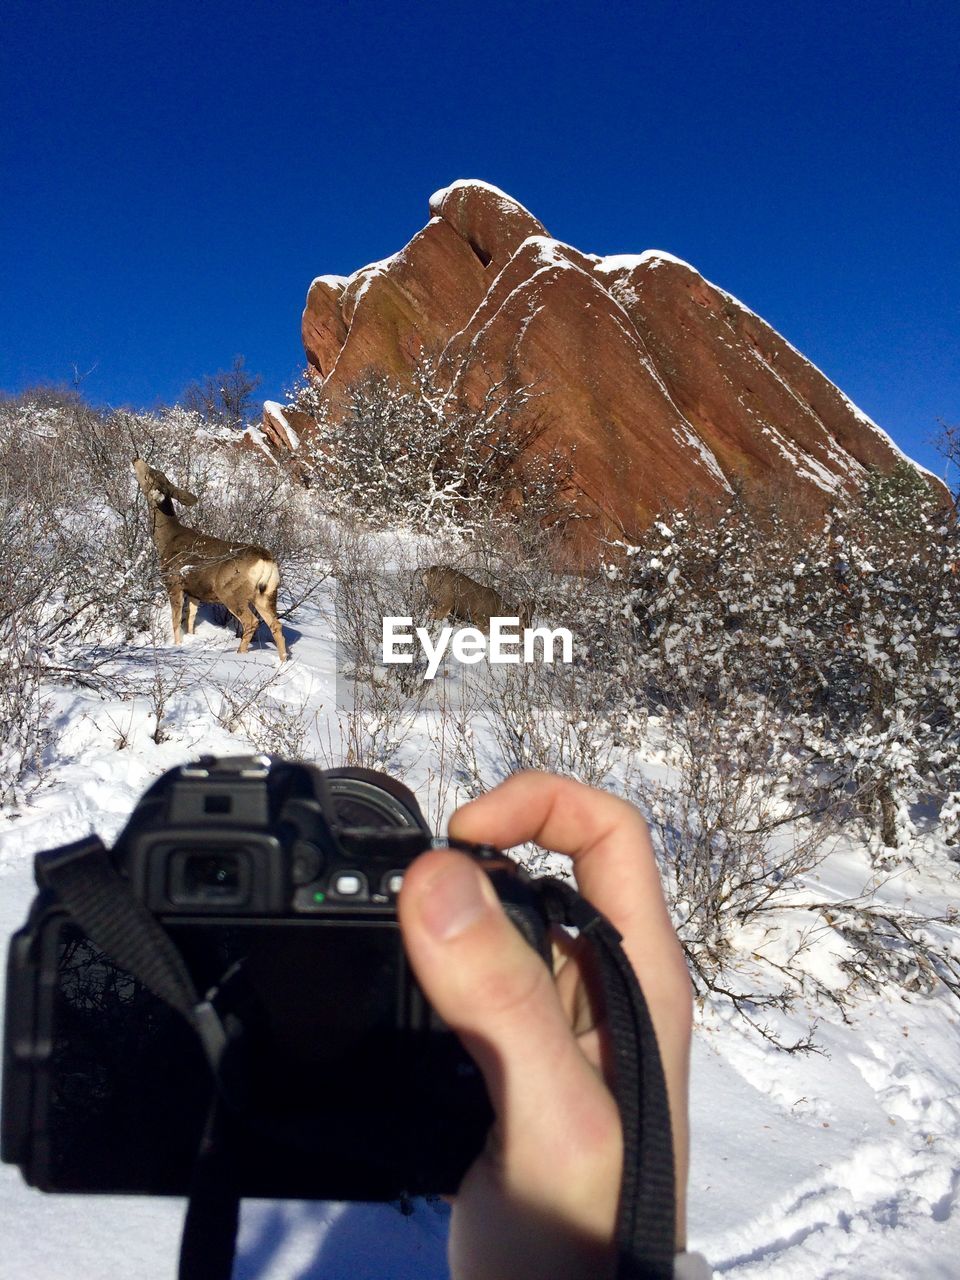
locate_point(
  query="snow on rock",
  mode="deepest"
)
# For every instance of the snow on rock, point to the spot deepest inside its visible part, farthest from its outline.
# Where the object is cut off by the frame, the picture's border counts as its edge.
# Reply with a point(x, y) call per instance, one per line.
point(331, 281)
point(281, 421)
point(282, 428)
point(615, 263)
point(490, 221)
point(360, 282)
point(257, 439)
point(465, 187)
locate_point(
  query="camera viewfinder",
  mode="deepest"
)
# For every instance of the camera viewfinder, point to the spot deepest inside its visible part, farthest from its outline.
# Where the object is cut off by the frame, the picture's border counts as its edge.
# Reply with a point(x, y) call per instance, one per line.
point(218, 877)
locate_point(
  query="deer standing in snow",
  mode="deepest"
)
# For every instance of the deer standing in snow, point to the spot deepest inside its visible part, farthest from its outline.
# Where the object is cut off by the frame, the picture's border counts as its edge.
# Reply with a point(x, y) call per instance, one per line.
point(453, 594)
point(201, 568)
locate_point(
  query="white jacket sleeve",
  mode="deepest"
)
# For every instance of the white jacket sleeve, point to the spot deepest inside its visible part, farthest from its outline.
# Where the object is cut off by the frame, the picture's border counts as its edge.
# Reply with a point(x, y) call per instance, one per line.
point(691, 1266)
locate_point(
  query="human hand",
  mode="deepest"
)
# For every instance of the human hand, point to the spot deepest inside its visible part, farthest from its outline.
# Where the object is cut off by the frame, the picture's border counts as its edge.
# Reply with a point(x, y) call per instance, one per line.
point(540, 1202)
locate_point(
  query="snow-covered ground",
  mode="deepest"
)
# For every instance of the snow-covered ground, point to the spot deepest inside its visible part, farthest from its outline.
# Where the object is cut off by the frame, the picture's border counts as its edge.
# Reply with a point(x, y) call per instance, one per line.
point(842, 1163)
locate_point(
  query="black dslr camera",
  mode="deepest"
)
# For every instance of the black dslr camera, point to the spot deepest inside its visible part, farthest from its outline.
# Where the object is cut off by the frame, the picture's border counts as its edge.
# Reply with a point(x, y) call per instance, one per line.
point(276, 883)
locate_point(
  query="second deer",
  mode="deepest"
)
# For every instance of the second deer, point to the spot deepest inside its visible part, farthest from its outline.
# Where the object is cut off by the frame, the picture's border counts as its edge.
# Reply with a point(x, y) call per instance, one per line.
point(199, 568)
point(453, 594)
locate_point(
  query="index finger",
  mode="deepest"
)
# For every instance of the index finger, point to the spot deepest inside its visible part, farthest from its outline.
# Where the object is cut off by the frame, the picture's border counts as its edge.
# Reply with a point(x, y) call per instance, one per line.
point(606, 837)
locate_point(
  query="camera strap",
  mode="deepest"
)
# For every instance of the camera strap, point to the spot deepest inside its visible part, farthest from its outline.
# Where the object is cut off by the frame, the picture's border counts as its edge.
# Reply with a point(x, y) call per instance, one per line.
point(646, 1225)
point(99, 900)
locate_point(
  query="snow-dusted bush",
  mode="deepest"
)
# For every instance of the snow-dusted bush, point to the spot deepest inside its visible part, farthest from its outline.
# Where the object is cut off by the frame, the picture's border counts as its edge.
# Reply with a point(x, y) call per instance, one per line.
point(376, 705)
point(424, 456)
point(851, 630)
point(252, 705)
point(889, 649)
point(734, 842)
point(788, 679)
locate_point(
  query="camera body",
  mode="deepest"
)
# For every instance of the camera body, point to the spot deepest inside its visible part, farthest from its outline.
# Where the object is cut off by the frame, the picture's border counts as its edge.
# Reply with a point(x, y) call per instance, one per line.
point(277, 882)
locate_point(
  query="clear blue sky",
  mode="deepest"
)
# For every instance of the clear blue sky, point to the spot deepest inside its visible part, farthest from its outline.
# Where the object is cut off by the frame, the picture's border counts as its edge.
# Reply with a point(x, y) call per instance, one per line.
point(174, 174)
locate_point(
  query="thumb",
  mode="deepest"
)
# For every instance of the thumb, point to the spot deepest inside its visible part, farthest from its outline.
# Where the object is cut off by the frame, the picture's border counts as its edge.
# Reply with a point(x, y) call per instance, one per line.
point(493, 989)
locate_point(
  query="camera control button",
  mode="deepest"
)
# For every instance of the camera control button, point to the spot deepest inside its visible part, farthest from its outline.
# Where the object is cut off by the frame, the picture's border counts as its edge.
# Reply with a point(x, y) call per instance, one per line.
point(350, 885)
point(392, 882)
point(307, 861)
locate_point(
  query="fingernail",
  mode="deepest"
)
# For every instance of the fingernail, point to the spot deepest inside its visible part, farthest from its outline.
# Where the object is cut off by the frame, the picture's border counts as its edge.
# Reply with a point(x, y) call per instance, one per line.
point(453, 901)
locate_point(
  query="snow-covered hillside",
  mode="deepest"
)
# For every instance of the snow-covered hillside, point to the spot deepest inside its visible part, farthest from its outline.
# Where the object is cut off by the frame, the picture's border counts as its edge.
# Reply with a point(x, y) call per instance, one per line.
point(720, 684)
point(840, 1163)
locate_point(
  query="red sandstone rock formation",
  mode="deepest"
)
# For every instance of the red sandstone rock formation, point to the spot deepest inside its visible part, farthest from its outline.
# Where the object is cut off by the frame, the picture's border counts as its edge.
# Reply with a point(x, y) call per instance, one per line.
point(661, 386)
point(283, 427)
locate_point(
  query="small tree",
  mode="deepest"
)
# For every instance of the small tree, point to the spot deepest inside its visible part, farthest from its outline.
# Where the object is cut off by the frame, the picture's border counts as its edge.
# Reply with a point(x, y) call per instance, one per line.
point(224, 398)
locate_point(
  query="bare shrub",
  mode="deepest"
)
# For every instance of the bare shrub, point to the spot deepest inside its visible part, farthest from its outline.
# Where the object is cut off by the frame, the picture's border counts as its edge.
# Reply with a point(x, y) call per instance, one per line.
point(153, 675)
point(457, 771)
point(732, 847)
point(377, 706)
point(24, 731)
point(372, 727)
point(248, 706)
point(546, 717)
point(892, 946)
